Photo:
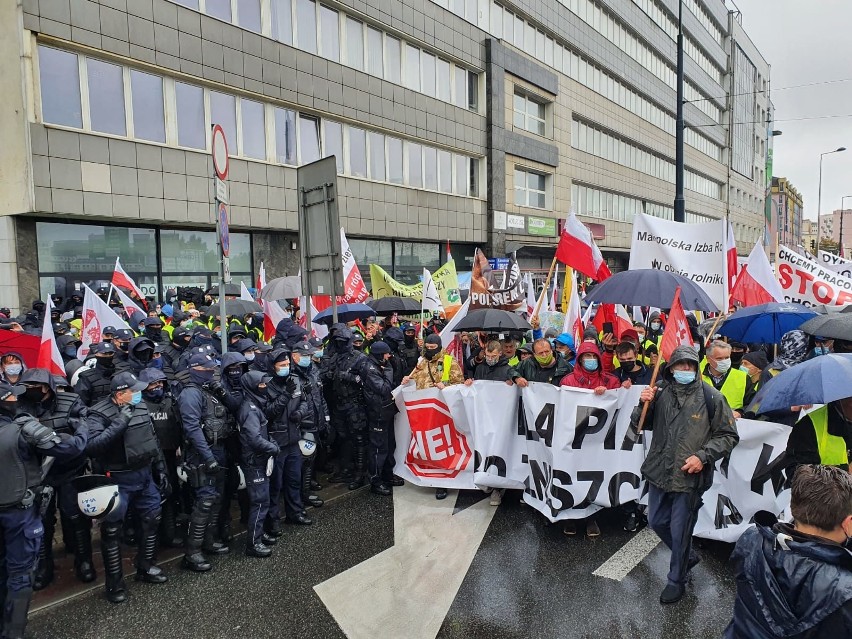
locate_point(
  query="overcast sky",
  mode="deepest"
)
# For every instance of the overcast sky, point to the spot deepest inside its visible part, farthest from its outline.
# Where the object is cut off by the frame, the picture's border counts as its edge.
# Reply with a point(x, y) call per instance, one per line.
point(808, 42)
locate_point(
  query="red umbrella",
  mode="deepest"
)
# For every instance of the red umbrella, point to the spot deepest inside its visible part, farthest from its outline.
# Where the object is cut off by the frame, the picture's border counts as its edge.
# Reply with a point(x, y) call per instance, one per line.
point(24, 344)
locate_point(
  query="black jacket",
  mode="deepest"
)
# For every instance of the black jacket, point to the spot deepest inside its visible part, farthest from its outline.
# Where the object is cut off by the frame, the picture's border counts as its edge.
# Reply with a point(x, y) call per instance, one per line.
point(642, 376)
point(312, 413)
point(256, 446)
point(500, 372)
point(790, 585)
point(377, 382)
point(284, 397)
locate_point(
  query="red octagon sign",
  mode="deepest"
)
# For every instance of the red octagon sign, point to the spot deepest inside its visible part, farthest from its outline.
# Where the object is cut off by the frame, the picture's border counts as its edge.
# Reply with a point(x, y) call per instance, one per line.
point(437, 449)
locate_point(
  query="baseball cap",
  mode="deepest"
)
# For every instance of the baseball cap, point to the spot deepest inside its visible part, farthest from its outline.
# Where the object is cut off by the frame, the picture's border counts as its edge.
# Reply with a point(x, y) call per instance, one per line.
point(108, 330)
point(102, 348)
point(151, 375)
point(8, 389)
point(127, 381)
point(316, 342)
point(202, 360)
point(152, 321)
point(380, 348)
point(123, 334)
point(303, 348)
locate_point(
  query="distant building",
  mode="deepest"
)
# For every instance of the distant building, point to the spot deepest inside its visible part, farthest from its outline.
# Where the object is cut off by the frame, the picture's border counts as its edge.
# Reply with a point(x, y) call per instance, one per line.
point(809, 235)
point(786, 214)
point(840, 228)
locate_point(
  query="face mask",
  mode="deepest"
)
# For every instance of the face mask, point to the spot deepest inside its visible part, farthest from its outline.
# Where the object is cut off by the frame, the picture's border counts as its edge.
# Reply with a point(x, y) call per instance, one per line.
point(144, 355)
point(628, 364)
point(820, 350)
point(655, 326)
point(203, 341)
point(590, 365)
point(736, 359)
point(641, 337)
point(234, 374)
point(429, 353)
point(544, 360)
point(684, 377)
point(34, 394)
point(409, 339)
point(283, 372)
point(154, 333)
point(9, 408)
point(249, 357)
point(123, 346)
point(13, 369)
point(136, 398)
point(156, 363)
point(304, 362)
point(218, 333)
point(492, 361)
point(745, 370)
point(105, 362)
point(154, 395)
point(201, 375)
point(318, 354)
point(723, 365)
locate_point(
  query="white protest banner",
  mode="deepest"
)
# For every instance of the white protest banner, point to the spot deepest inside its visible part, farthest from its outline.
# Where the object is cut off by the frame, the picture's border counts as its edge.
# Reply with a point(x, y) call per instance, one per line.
point(807, 282)
point(754, 478)
point(571, 451)
point(835, 263)
point(696, 251)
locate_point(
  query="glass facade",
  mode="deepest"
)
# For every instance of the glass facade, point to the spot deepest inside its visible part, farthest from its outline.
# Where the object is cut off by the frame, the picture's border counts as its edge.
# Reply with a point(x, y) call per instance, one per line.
point(70, 255)
point(405, 261)
point(742, 149)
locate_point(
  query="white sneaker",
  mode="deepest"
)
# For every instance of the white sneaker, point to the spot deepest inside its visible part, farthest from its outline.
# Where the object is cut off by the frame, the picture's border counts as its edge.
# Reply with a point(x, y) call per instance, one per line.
point(496, 497)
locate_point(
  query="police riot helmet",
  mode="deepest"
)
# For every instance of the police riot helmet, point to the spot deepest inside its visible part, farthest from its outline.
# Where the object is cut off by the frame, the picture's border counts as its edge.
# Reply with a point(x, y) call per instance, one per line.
point(308, 444)
point(97, 495)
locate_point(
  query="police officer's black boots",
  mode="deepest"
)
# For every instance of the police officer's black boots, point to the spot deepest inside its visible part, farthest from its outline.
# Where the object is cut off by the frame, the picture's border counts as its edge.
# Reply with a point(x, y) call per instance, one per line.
point(168, 526)
point(84, 568)
point(360, 467)
point(343, 475)
point(116, 589)
point(43, 575)
point(193, 559)
point(210, 545)
point(146, 568)
point(307, 476)
point(15, 611)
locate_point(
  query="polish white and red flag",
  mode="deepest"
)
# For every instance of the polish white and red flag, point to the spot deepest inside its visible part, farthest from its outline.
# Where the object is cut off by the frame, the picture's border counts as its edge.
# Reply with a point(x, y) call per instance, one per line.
point(272, 315)
point(120, 278)
point(731, 256)
point(261, 279)
point(49, 356)
point(677, 329)
point(130, 307)
point(578, 250)
point(353, 284)
point(96, 316)
point(756, 282)
point(573, 323)
point(531, 296)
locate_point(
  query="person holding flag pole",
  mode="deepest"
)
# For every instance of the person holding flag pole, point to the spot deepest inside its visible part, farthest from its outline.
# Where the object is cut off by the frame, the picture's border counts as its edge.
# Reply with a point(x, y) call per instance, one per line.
point(694, 428)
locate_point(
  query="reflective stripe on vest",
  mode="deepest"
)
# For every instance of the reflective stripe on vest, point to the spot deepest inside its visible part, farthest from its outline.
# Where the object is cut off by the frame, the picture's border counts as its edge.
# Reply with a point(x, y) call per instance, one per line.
point(448, 365)
point(832, 449)
point(734, 387)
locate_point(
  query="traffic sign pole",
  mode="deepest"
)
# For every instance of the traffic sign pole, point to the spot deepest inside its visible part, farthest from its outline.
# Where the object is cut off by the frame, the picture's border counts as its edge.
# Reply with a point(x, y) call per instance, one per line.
point(221, 161)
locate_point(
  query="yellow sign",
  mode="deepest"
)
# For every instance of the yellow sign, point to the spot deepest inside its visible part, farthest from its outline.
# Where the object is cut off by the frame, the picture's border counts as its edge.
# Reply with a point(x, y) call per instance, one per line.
point(445, 278)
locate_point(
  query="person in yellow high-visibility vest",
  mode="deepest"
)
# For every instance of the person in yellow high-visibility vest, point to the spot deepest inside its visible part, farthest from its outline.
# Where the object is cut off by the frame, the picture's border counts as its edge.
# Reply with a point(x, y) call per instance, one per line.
point(823, 436)
point(733, 383)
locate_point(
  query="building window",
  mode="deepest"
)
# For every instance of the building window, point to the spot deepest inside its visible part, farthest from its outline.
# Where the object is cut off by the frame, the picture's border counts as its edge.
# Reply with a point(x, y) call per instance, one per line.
point(223, 112)
point(393, 59)
point(149, 120)
point(282, 21)
point(414, 156)
point(430, 168)
point(248, 15)
point(412, 68)
point(445, 171)
point(461, 88)
point(357, 152)
point(355, 44)
point(333, 142)
point(530, 188)
point(377, 156)
point(254, 129)
point(462, 173)
point(106, 97)
point(306, 25)
point(189, 102)
point(428, 67)
point(60, 87)
point(395, 161)
point(330, 35)
point(285, 136)
point(219, 9)
point(309, 139)
point(375, 59)
point(529, 114)
point(444, 88)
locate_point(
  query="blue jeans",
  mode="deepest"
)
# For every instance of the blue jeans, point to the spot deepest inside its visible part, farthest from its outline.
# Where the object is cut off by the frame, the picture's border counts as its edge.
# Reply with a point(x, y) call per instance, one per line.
point(672, 516)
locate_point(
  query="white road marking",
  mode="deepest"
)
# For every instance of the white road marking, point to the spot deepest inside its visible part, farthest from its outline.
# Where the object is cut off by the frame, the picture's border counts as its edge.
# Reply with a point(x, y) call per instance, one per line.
point(629, 555)
point(407, 590)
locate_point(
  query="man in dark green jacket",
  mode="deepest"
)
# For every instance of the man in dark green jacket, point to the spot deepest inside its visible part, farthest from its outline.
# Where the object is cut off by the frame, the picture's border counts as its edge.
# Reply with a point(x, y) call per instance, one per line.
point(693, 428)
point(544, 366)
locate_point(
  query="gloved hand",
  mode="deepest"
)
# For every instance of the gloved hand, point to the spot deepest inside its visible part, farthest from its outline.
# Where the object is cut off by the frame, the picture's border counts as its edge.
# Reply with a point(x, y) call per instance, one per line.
point(164, 485)
point(126, 412)
point(270, 464)
point(212, 467)
point(216, 388)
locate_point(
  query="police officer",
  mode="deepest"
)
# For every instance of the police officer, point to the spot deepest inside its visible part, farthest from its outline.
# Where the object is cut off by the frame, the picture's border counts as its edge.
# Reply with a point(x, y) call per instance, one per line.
point(205, 425)
point(140, 352)
point(123, 443)
point(164, 413)
point(93, 385)
point(62, 413)
point(153, 329)
point(348, 417)
point(257, 450)
point(314, 416)
point(234, 366)
point(176, 346)
point(121, 341)
point(24, 443)
point(376, 374)
point(284, 411)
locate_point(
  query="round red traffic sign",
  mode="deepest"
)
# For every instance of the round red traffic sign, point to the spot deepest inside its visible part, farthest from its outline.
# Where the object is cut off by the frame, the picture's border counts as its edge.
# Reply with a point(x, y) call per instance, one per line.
point(220, 152)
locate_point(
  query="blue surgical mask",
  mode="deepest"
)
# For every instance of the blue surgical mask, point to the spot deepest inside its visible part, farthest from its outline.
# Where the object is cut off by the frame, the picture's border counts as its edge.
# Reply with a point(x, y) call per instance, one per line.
point(304, 362)
point(821, 350)
point(590, 364)
point(655, 326)
point(136, 398)
point(14, 369)
point(249, 357)
point(283, 372)
point(684, 377)
point(218, 333)
point(318, 354)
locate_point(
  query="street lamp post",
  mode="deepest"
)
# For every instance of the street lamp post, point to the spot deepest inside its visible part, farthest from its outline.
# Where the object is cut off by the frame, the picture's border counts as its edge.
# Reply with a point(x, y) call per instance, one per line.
point(679, 201)
point(819, 196)
point(842, 210)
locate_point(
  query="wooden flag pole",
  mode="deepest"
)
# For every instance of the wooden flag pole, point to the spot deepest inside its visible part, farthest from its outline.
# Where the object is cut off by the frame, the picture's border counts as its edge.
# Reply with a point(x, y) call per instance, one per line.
point(713, 329)
point(546, 288)
point(650, 385)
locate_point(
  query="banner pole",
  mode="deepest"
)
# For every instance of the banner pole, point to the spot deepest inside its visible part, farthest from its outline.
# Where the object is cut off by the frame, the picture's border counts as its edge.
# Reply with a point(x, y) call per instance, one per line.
point(546, 287)
point(650, 385)
point(713, 329)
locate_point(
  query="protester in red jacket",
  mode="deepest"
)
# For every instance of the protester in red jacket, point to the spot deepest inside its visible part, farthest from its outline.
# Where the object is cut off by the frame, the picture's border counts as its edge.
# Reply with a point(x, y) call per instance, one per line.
point(588, 373)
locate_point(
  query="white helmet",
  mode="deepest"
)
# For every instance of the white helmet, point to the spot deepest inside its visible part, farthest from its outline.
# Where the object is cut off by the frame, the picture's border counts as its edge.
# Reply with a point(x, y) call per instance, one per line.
point(181, 474)
point(242, 485)
point(307, 444)
point(97, 495)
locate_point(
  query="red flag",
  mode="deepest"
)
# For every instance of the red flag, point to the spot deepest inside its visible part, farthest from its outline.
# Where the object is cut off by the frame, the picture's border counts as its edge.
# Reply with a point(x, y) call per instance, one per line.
point(677, 329)
point(121, 278)
point(261, 279)
point(272, 314)
point(731, 257)
point(756, 283)
point(614, 314)
point(449, 253)
point(578, 250)
point(48, 352)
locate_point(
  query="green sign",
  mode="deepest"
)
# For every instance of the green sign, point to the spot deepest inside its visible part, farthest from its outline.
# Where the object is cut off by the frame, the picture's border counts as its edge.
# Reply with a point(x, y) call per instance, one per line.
point(541, 226)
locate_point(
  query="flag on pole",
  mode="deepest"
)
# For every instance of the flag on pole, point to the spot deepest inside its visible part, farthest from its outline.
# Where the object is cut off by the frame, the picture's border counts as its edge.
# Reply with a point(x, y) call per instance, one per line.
point(571, 307)
point(551, 297)
point(756, 283)
point(431, 300)
point(450, 339)
point(261, 278)
point(129, 305)
point(49, 356)
point(353, 283)
point(96, 316)
point(578, 250)
point(614, 314)
point(272, 315)
point(121, 278)
point(244, 293)
point(531, 297)
point(449, 253)
point(731, 256)
point(677, 329)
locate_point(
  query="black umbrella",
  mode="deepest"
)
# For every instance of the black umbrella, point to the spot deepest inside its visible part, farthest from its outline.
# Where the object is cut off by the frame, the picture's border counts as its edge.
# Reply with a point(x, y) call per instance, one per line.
point(345, 313)
point(390, 305)
point(230, 289)
point(234, 307)
point(650, 287)
point(832, 326)
point(492, 320)
point(828, 309)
